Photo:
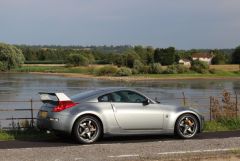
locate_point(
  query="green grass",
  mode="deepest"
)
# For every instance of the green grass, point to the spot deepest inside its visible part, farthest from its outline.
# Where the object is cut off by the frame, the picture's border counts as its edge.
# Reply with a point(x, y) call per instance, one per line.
point(30, 134)
point(224, 124)
point(54, 69)
point(4, 135)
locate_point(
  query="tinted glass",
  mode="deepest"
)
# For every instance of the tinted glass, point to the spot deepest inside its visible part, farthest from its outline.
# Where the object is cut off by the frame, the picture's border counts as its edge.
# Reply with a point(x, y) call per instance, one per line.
point(104, 98)
point(128, 96)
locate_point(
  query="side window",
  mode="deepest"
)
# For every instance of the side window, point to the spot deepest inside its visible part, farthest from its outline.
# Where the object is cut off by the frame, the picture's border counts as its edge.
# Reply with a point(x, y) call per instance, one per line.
point(104, 98)
point(128, 97)
point(119, 97)
point(135, 97)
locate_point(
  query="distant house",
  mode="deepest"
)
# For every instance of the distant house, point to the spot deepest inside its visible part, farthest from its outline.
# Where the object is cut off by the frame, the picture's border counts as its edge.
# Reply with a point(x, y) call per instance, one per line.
point(185, 62)
point(205, 57)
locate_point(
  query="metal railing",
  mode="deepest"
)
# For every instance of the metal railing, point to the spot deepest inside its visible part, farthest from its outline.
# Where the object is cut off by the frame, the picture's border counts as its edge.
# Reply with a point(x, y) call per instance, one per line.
point(30, 109)
point(186, 101)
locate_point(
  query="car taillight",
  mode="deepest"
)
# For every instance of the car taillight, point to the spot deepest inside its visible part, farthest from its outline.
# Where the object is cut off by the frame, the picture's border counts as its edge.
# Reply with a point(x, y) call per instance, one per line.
point(62, 105)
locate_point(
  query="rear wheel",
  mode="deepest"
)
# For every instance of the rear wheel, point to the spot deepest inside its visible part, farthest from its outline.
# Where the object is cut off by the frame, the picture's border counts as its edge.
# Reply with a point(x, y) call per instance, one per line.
point(186, 126)
point(87, 129)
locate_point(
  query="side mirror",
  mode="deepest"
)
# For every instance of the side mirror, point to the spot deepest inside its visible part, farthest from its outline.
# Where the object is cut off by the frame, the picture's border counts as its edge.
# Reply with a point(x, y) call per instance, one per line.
point(146, 102)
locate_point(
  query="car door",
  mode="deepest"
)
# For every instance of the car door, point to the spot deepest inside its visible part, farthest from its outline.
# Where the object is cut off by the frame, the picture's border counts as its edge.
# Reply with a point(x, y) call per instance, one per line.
point(132, 114)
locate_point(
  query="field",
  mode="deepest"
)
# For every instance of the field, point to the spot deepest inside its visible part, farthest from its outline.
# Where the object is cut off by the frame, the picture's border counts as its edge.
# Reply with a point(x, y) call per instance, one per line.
point(228, 67)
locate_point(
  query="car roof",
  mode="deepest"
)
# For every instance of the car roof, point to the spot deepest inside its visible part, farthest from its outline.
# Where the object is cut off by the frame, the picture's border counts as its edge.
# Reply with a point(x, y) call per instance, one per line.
point(90, 94)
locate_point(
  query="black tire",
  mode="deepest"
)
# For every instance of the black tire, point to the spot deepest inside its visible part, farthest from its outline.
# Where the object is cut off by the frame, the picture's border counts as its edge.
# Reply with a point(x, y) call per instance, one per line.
point(186, 126)
point(87, 130)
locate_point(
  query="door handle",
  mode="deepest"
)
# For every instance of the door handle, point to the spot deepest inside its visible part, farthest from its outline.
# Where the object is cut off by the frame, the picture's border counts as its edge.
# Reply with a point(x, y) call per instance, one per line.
point(114, 108)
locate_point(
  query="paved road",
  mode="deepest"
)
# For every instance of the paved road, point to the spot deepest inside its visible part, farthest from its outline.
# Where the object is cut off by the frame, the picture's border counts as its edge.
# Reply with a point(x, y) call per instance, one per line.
point(120, 148)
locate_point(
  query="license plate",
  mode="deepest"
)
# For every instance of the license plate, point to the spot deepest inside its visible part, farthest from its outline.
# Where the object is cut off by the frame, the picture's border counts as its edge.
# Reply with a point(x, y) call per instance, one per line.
point(43, 114)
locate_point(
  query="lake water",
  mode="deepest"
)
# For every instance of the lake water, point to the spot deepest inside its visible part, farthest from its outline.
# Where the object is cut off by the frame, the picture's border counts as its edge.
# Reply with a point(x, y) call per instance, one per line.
point(23, 87)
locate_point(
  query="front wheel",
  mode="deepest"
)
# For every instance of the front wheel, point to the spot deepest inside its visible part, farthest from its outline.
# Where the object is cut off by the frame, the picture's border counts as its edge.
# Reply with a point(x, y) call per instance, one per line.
point(186, 126)
point(87, 130)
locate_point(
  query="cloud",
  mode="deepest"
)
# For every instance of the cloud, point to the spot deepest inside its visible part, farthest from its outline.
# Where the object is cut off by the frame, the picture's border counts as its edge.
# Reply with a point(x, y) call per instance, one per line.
point(184, 23)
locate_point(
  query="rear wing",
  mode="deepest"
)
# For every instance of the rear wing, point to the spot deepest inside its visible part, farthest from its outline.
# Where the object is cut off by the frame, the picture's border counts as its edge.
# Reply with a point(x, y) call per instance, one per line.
point(49, 97)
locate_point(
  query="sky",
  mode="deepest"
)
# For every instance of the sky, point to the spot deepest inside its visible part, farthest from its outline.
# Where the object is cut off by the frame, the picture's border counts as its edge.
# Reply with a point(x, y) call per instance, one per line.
point(184, 24)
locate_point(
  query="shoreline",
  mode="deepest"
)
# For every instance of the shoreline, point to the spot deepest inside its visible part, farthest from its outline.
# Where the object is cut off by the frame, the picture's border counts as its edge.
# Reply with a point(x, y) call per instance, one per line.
point(137, 77)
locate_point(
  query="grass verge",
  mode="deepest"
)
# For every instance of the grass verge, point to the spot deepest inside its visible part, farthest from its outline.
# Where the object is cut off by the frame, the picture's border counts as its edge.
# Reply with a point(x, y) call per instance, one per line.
point(54, 69)
point(29, 134)
point(223, 124)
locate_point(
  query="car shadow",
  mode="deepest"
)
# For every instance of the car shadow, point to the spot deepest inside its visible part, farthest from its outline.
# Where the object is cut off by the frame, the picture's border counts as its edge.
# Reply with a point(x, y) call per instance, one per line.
point(67, 141)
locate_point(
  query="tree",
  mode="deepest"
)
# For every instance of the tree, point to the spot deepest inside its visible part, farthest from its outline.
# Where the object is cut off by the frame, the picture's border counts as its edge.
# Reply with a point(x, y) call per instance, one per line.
point(90, 57)
point(165, 56)
point(149, 55)
point(77, 60)
point(236, 56)
point(118, 60)
point(142, 52)
point(130, 56)
point(219, 57)
point(10, 57)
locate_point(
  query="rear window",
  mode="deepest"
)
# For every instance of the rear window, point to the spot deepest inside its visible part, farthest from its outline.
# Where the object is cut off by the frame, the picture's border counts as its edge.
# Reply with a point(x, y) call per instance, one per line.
point(84, 95)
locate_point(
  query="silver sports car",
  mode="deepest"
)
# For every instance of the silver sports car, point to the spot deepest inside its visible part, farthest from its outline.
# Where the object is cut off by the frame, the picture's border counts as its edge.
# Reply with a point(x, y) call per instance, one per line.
point(92, 114)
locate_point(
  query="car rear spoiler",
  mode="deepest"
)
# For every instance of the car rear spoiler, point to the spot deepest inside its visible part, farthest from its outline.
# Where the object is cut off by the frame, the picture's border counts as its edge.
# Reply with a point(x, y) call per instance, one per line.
point(46, 97)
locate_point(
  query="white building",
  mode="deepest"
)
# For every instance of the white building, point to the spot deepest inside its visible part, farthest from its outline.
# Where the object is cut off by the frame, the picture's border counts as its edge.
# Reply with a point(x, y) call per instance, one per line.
point(185, 62)
point(205, 57)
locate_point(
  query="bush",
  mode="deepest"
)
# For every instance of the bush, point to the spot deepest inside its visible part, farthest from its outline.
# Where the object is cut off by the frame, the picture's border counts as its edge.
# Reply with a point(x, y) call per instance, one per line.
point(3, 66)
point(134, 71)
point(108, 70)
point(176, 68)
point(77, 60)
point(155, 68)
point(124, 71)
point(144, 70)
point(10, 57)
point(199, 66)
point(138, 66)
point(182, 69)
point(171, 69)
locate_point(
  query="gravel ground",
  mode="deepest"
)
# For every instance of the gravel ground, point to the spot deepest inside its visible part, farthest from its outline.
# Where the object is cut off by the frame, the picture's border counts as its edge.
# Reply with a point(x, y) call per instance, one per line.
point(198, 149)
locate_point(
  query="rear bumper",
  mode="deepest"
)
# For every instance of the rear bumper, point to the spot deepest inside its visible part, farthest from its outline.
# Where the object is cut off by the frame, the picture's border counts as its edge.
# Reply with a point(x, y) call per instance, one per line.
point(55, 122)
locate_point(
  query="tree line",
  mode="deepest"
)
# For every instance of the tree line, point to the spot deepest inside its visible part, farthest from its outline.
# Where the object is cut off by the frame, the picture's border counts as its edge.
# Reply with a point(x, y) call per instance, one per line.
point(138, 58)
point(119, 55)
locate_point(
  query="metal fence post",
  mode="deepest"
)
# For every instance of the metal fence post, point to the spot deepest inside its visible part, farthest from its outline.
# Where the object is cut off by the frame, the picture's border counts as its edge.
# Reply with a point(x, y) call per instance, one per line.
point(236, 103)
point(184, 99)
point(13, 127)
point(210, 108)
point(31, 113)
